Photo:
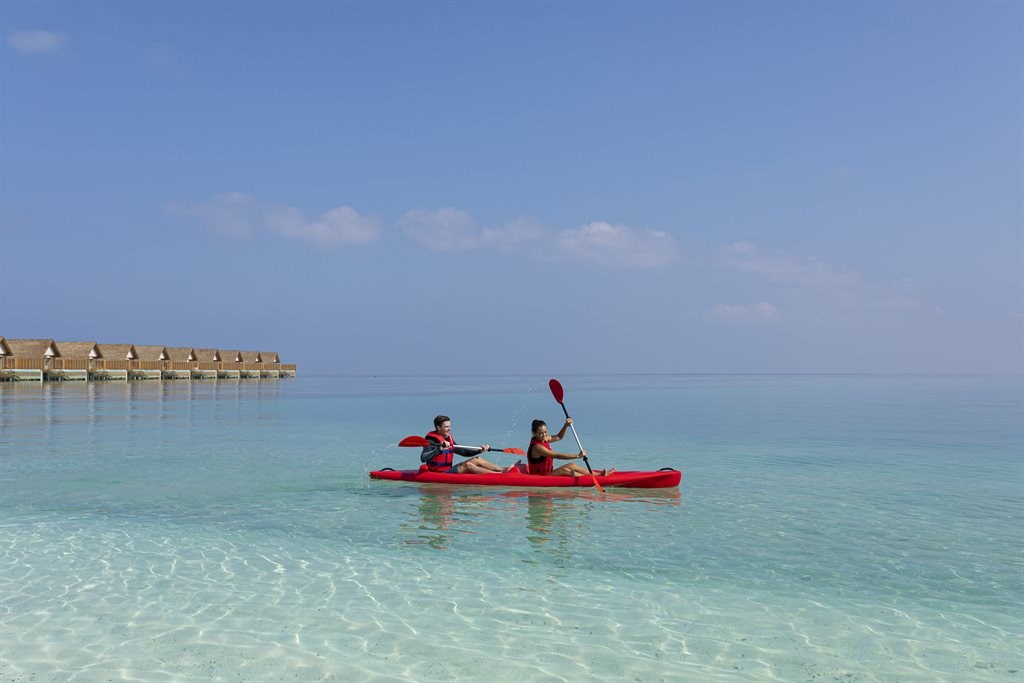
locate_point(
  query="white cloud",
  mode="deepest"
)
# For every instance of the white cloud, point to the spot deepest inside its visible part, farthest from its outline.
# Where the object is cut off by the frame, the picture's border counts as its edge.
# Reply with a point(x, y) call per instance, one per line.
point(238, 216)
point(230, 214)
point(759, 312)
point(520, 233)
point(338, 227)
point(781, 266)
point(619, 246)
point(36, 42)
point(451, 229)
point(446, 229)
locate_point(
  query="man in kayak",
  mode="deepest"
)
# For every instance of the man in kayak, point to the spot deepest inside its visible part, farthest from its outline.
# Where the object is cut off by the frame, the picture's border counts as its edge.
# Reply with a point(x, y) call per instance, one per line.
point(540, 458)
point(439, 455)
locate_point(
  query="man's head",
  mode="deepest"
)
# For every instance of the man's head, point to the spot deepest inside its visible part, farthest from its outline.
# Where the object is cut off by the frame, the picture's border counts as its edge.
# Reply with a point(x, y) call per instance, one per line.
point(442, 424)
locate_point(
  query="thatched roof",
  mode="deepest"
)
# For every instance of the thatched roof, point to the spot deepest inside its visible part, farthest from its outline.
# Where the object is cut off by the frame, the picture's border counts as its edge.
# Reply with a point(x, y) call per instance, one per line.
point(150, 352)
point(32, 348)
point(117, 351)
point(79, 350)
point(37, 348)
point(179, 353)
point(207, 355)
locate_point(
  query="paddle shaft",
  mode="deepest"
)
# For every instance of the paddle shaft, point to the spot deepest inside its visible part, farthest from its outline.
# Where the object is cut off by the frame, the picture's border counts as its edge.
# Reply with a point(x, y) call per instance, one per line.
point(420, 442)
point(514, 451)
point(559, 394)
point(577, 437)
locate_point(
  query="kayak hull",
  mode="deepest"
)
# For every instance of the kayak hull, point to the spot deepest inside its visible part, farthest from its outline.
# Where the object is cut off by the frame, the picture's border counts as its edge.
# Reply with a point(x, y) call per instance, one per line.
point(660, 479)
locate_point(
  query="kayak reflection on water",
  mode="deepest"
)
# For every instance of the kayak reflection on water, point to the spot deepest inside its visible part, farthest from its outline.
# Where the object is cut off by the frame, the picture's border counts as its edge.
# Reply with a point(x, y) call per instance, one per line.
point(436, 512)
point(442, 512)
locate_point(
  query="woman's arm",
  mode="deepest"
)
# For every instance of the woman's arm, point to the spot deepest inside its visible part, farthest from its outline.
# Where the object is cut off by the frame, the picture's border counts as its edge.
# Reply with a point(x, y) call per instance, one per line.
point(561, 432)
point(548, 453)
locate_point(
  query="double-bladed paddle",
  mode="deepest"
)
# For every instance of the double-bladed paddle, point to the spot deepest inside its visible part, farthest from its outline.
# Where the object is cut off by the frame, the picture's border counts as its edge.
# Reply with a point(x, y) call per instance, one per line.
point(559, 394)
point(421, 442)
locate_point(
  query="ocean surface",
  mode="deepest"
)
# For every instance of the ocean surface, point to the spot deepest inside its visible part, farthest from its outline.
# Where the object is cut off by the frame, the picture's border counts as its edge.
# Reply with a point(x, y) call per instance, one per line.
point(828, 528)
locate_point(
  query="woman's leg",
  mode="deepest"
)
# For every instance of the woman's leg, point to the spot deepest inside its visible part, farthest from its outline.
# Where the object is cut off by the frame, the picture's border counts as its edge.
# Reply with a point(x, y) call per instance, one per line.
point(574, 470)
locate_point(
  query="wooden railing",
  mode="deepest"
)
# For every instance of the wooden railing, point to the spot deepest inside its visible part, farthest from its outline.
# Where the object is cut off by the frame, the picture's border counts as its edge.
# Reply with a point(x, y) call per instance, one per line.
point(69, 364)
point(147, 365)
point(24, 363)
point(106, 364)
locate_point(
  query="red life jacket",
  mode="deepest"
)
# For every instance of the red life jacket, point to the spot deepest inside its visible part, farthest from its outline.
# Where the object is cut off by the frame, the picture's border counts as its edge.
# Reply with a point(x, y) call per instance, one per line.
point(443, 459)
point(542, 465)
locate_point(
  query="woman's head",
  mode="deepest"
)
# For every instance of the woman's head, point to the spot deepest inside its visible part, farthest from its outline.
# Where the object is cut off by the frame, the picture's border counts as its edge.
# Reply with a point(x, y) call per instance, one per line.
point(539, 428)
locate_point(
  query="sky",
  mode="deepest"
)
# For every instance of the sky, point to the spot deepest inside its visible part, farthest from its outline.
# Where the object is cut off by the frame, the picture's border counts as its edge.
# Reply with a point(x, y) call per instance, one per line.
point(528, 188)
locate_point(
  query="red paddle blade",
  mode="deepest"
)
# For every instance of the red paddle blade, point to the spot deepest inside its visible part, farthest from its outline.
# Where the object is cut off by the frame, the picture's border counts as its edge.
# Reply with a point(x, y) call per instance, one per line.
point(556, 390)
point(418, 441)
point(514, 451)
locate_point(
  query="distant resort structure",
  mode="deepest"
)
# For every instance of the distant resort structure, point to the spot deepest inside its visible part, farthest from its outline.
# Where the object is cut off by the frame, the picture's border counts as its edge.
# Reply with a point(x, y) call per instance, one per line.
point(46, 360)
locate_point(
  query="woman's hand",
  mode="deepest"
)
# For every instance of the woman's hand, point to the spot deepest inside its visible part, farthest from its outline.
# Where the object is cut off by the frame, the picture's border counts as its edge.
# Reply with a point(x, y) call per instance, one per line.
point(582, 454)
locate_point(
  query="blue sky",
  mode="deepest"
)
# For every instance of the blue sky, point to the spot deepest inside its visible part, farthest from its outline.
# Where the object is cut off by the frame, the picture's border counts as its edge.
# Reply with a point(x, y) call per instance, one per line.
point(538, 188)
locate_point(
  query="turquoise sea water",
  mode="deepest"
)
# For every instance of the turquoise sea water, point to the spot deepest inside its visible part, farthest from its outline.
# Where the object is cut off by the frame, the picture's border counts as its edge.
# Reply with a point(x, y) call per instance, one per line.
point(828, 528)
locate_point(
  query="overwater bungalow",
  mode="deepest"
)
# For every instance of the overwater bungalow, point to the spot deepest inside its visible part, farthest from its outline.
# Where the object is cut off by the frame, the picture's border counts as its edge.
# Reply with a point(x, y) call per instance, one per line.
point(270, 364)
point(231, 364)
point(250, 361)
point(45, 359)
point(272, 361)
point(28, 359)
point(75, 361)
point(205, 364)
point(150, 363)
point(178, 364)
point(114, 362)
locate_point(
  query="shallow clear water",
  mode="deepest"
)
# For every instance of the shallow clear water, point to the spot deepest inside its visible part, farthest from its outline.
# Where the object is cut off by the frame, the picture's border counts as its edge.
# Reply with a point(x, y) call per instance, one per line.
point(852, 528)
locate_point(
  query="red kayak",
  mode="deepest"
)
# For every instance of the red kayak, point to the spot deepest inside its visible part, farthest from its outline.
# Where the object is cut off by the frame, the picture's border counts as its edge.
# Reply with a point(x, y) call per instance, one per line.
point(660, 479)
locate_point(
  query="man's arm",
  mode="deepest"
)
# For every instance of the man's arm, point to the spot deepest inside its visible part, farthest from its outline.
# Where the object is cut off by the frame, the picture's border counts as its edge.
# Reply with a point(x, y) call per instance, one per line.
point(430, 450)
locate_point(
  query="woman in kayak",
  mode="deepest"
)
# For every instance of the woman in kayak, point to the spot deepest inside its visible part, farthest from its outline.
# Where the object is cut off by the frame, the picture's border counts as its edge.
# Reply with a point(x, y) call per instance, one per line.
point(439, 455)
point(540, 458)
